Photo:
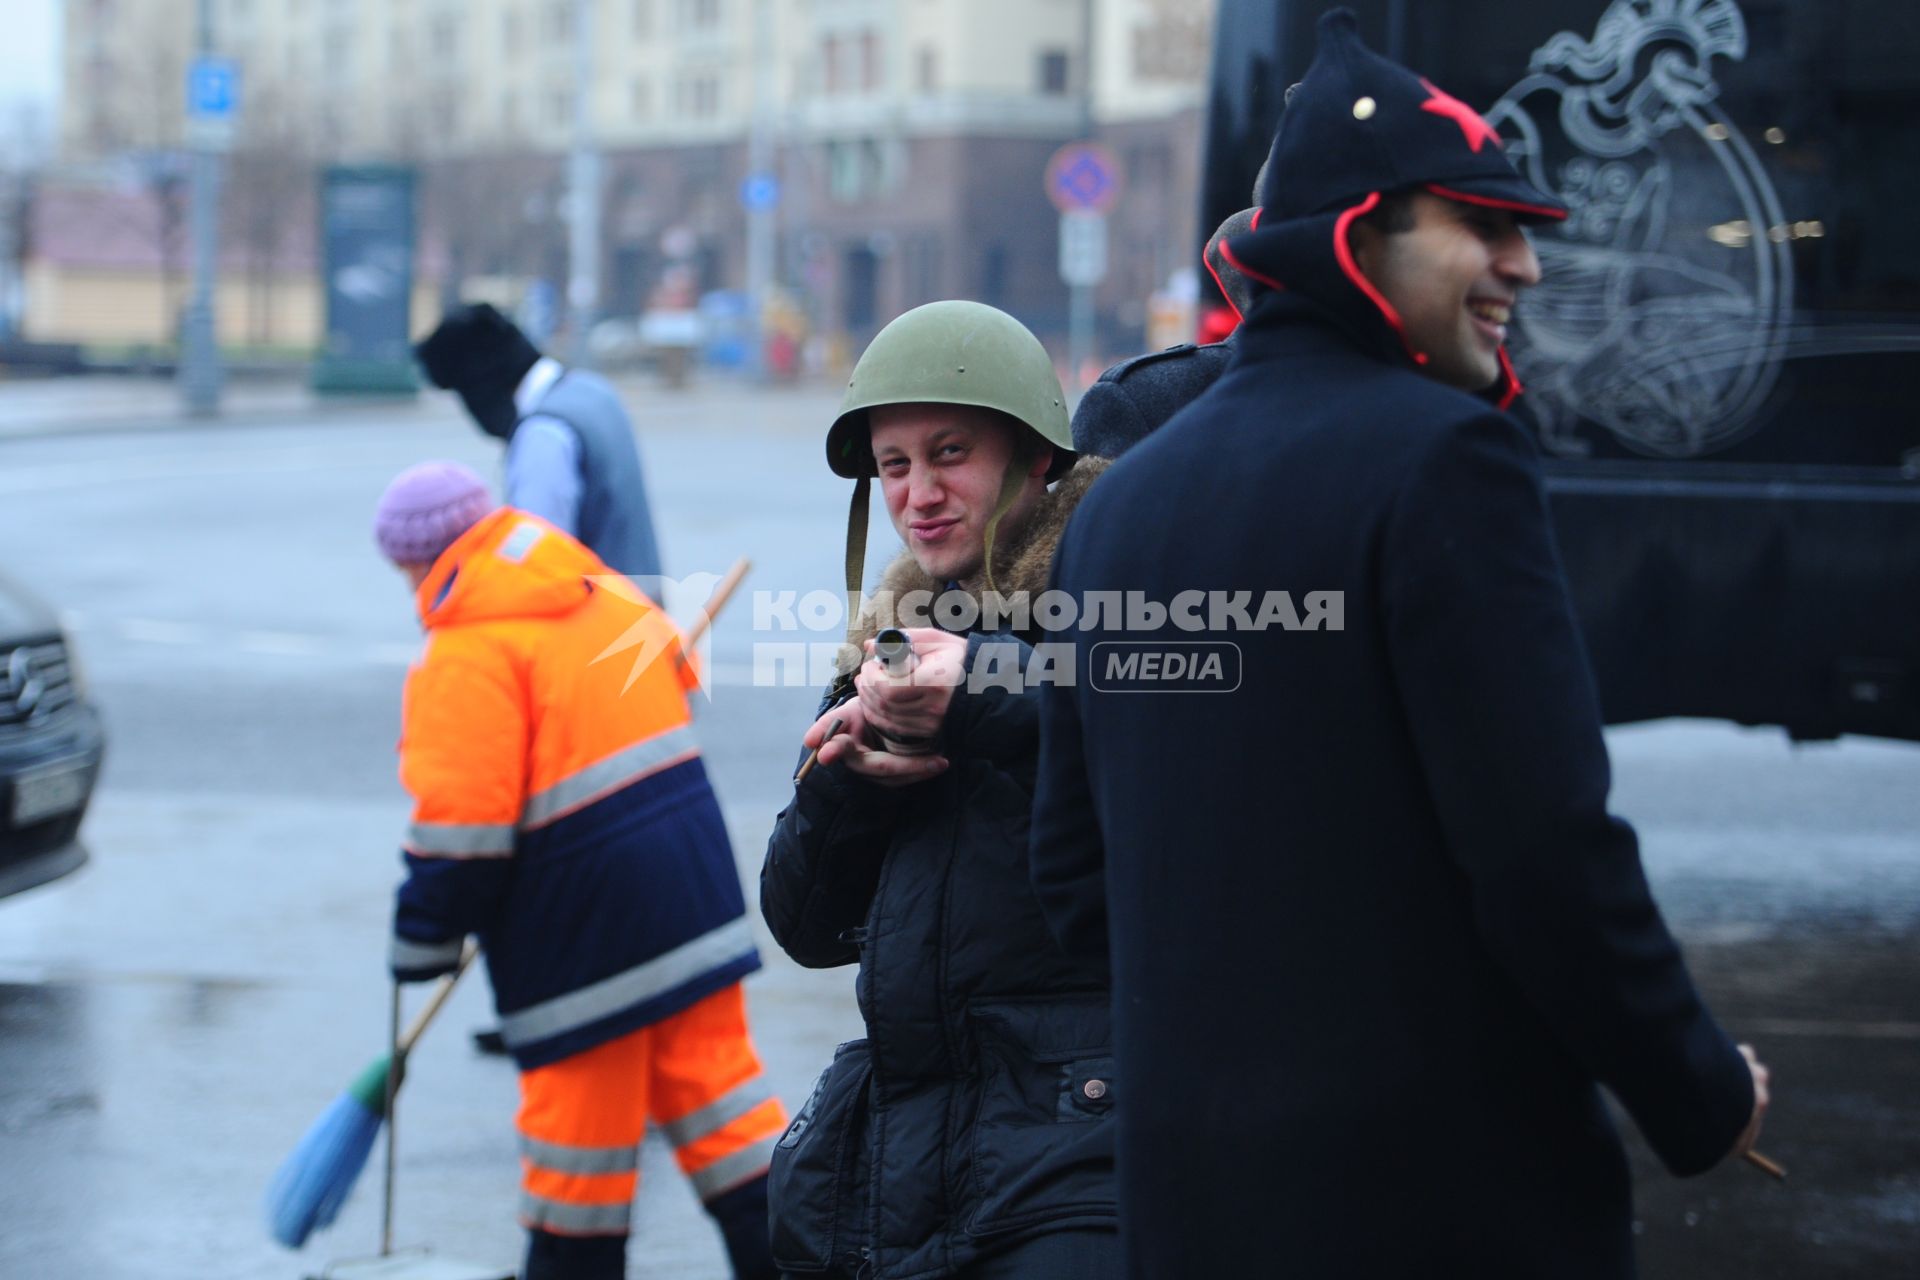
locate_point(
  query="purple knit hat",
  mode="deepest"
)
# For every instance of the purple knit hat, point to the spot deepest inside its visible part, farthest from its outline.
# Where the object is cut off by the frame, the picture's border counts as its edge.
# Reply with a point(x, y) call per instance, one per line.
point(426, 508)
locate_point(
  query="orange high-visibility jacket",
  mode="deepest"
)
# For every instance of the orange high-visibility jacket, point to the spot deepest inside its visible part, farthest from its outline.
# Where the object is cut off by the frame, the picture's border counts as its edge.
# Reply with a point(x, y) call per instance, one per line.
point(560, 814)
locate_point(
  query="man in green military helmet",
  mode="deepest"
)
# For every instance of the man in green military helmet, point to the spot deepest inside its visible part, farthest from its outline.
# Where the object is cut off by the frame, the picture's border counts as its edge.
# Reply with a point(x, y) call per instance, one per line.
point(956, 408)
point(904, 850)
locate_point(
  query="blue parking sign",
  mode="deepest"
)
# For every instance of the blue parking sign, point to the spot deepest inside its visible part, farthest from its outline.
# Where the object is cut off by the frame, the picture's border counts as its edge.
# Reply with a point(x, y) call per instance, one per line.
point(213, 88)
point(759, 191)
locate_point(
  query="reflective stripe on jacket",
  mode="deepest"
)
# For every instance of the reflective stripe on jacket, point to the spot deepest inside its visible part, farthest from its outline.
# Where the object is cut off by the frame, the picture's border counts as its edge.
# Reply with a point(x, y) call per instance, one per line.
point(561, 809)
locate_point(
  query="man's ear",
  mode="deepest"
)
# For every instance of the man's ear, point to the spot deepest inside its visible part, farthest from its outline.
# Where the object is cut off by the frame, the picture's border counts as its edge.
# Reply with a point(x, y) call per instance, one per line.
point(1042, 461)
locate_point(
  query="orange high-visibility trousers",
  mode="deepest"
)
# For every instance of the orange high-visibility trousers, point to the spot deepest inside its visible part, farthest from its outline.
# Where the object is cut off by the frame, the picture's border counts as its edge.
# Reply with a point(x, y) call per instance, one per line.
point(695, 1074)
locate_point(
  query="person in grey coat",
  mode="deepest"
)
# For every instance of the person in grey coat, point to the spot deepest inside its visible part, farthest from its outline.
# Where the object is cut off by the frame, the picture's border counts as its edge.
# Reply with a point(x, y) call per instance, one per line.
point(571, 456)
point(1137, 395)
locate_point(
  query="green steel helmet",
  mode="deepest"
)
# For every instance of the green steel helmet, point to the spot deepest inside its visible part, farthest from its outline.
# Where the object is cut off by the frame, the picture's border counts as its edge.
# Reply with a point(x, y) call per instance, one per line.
point(952, 353)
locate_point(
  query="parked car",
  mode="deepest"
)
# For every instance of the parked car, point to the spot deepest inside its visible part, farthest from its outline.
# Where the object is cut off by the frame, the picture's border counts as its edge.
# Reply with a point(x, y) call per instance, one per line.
point(51, 745)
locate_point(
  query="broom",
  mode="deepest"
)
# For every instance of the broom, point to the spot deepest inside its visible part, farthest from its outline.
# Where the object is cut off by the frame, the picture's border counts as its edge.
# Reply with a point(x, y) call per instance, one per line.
point(311, 1185)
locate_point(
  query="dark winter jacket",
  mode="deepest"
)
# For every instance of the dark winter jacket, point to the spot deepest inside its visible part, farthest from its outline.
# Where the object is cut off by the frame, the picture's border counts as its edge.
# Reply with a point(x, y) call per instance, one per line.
point(1133, 398)
point(976, 1112)
point(1376, 939)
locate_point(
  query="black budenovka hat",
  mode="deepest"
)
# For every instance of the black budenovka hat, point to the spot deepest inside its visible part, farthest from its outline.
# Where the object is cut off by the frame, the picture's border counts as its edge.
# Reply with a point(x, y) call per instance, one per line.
point(481, 354)
point(1358, 123)
point(1355, 129)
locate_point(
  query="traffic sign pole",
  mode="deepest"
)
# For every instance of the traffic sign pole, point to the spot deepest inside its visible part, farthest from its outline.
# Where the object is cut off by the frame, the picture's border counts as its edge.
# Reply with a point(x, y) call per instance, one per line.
point(1083, 181)
point(210, 105)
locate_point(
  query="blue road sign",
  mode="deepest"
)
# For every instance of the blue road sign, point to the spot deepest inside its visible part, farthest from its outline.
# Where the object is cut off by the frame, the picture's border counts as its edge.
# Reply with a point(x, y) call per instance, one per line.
point(759, 191)
point(213, 88)
point(1083, 177)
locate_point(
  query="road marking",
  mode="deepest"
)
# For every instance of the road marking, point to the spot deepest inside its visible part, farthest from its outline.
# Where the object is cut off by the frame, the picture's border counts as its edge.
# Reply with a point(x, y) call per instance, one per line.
point(153, 631)
point(294, 644)
point(282, 644)
point(1816, 1028)
point(394, 655)
point(59, 475)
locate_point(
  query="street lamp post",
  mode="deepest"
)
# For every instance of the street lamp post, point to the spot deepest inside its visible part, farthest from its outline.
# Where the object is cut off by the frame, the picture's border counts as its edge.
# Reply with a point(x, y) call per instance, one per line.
point(760, 209)
point(583, 191)
point(201, 376)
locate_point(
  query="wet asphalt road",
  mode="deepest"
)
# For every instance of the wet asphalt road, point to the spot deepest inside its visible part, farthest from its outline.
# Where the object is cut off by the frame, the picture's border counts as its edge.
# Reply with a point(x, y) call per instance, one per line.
point(172, 1017)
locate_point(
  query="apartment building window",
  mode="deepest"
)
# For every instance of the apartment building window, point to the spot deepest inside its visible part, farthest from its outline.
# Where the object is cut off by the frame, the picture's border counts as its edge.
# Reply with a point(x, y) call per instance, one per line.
point(510, 32)
point(845, 179)
point(443, 116)
point(559, 107)
point(699, 15)
point(993, 275)
point(1053, 71)
point(339, 47)
point(443, 35)
point(510, 112)
point(397, 56)
point(856, 170)
point(642, 19)
point(832, 74)
point(559, 20)
point(697, 97)
point(870, 68)
point(928, 77)
point(922, 269)
point(639, 99)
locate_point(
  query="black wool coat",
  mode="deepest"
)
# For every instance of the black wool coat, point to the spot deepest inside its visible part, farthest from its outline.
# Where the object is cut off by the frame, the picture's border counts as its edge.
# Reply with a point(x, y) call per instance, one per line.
point(1376, 939)
point(977, 1110)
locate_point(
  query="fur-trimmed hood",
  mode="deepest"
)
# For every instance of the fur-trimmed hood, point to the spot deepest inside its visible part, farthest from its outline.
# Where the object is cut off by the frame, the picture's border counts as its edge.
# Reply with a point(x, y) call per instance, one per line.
point(1021, 563)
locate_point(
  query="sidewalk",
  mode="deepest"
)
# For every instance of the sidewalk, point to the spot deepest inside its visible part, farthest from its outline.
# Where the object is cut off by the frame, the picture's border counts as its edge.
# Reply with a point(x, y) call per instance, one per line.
point(112, 404)
point(102, 403)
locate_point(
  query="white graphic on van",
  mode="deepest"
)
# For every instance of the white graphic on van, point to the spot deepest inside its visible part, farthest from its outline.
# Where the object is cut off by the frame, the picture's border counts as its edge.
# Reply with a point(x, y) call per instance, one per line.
point(1665, 294)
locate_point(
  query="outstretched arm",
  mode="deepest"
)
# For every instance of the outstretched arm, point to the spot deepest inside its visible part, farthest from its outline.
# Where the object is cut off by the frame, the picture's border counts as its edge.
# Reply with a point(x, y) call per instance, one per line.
point(1503, 712)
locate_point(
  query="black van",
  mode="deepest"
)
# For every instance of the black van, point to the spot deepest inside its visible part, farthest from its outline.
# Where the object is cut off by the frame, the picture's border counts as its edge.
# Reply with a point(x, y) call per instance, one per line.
point(1723, 356)
point(51, 746)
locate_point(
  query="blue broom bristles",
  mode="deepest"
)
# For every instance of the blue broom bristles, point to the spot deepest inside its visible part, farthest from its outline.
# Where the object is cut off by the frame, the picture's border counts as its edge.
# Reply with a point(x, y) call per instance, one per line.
point(310, 1186)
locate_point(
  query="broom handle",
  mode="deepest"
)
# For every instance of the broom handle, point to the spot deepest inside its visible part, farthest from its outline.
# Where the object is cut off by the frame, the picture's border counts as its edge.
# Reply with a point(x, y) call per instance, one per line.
point(403, 1045)
point(715, 603)
point(393, 1086)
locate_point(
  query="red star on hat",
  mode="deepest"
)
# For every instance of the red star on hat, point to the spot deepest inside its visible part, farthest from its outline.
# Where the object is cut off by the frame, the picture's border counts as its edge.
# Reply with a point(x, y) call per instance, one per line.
point(1442, 103)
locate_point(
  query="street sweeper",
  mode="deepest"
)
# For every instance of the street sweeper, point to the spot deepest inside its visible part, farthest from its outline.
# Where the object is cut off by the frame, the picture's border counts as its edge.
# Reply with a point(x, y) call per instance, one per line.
point(562, 815)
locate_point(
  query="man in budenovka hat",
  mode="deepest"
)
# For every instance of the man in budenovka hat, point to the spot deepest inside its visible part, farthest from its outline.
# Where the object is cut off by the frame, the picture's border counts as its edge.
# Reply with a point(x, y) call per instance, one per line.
point(1376, 940)
point(571, 456)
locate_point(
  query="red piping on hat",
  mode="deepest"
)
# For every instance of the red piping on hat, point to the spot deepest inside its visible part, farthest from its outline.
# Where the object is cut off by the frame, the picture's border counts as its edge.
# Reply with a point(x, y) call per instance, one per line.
point(1207, 262)
point(1226, 251)
point(1515, 206)
point(1344, 253)
point(1512, 379)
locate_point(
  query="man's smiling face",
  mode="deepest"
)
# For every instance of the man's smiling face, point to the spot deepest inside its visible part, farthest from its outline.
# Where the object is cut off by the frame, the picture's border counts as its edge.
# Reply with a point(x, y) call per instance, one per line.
point(941, 467)
point(1454, 278)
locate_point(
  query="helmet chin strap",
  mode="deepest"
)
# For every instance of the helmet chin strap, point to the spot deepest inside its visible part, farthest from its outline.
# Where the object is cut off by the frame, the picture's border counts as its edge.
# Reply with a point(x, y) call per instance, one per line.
point(1011, 484)
point(857, 549)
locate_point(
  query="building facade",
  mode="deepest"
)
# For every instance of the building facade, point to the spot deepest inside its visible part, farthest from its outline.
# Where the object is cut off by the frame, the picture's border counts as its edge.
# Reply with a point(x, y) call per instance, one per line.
point(906, 139)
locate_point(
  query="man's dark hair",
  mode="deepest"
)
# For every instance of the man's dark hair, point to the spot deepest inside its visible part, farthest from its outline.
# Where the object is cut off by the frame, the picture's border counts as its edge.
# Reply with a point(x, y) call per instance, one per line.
point(1394, 213)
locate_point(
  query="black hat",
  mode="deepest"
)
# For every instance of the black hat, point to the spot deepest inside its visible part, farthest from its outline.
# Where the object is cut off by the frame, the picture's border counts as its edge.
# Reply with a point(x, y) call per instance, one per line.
point(1358, 124)
point(481, 354)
